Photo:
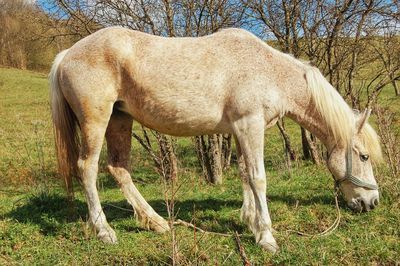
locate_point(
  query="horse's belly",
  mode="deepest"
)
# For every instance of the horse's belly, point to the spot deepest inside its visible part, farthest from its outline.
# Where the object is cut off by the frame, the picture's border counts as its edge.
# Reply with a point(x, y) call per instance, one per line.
point(179, 117)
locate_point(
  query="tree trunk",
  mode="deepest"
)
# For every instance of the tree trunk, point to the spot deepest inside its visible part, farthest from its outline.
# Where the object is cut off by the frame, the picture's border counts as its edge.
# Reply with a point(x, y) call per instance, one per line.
point(305, 145)
point(167, 153)
point(215, 146)
point(214, 155)
point(290, 153)
point(203, 157)
point(313, 149)
point(310, 149)
point(226, 151)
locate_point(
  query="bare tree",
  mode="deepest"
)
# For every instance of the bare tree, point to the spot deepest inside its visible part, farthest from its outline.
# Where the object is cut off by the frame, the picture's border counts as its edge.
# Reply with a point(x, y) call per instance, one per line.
point(78, 16)
point(164, 159)
point(387, 49)
point(337, 36)
point(389, 138)
point(13, 44)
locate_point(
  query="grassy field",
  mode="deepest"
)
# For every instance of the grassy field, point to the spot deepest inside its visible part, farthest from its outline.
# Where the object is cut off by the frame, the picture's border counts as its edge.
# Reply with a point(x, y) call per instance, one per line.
point(37, 226)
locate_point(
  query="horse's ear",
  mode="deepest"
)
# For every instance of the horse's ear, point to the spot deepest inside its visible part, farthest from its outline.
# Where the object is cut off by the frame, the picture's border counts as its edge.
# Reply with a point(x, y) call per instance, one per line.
point(362, 120)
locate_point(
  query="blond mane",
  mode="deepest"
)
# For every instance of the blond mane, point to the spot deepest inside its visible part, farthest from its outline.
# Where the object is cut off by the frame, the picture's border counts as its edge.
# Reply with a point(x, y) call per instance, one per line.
point(334, 110)
point(338, 116)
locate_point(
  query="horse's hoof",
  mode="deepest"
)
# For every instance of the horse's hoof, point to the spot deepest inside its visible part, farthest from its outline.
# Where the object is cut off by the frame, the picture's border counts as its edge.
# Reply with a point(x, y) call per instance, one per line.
point(267, 241)
point(270, 246)
point(108, 236)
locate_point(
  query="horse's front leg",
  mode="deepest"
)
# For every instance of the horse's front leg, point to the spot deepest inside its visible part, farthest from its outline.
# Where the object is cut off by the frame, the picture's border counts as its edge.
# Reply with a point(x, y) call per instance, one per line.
point(248, 211)
point(250, 135)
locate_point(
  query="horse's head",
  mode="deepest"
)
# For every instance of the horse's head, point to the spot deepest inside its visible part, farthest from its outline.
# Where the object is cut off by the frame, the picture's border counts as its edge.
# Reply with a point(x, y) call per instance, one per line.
point(352, 169)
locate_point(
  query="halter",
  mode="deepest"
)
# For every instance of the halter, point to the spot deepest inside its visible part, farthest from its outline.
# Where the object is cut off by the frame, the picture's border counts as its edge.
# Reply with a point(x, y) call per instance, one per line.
point(350, 177)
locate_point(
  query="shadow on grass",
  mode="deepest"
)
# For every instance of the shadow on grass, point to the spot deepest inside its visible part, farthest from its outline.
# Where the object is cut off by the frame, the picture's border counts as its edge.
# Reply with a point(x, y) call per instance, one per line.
point(51, 212)
point(210, 214)
point(48, 210)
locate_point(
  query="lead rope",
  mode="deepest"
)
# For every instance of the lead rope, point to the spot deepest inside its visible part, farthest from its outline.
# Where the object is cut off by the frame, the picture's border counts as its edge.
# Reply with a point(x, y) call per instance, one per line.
point(331, 228)
point(335, 224)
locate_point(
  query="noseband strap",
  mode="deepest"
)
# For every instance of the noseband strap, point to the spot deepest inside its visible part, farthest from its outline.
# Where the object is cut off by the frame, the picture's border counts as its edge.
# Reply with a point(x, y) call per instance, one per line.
point(349, 176)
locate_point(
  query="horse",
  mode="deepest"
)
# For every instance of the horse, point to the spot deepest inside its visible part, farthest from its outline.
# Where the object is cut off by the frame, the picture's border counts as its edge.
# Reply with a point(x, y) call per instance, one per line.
point(228, 82)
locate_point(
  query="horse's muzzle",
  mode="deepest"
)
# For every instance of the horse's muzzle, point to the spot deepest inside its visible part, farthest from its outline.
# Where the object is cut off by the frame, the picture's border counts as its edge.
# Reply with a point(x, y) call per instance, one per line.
point(361, 205)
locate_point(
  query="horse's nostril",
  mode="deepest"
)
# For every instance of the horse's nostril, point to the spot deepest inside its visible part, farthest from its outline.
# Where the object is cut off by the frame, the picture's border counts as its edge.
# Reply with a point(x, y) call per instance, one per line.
point(364, 206)
point(375, 202)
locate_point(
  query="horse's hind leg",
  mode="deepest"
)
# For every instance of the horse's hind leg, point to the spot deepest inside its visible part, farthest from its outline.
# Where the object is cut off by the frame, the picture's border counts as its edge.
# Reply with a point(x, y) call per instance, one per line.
point(93, 129)
point(118, 136)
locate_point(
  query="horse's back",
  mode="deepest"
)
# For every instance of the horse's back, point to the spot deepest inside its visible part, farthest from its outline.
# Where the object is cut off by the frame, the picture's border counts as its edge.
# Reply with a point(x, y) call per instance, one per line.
point(179, 86)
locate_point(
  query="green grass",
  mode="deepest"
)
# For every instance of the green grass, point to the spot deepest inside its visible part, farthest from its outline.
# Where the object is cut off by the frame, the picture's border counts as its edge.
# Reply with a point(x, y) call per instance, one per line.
point(38, 227)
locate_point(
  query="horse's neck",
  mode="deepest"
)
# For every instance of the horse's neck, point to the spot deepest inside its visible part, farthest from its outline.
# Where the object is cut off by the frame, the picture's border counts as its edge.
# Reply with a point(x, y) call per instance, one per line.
point(302, 110)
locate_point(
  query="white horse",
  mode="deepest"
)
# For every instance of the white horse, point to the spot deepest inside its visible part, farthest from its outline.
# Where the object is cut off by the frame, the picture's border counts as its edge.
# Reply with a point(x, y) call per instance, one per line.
point(228, 82)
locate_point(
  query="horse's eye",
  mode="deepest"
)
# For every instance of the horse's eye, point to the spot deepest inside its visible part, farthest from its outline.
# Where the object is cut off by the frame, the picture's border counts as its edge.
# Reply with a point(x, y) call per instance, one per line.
point(364, 157)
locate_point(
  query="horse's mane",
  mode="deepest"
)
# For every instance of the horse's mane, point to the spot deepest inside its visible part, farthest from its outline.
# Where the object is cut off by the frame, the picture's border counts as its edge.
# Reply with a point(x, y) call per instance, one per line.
point(338, 116)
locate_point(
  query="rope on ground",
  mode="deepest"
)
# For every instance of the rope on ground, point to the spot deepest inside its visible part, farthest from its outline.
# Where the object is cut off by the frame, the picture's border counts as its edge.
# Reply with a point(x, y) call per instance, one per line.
point(331, 228)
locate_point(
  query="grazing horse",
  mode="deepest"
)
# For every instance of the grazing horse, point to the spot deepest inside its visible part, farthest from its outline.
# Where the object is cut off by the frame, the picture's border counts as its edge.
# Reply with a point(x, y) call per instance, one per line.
point(227, 82)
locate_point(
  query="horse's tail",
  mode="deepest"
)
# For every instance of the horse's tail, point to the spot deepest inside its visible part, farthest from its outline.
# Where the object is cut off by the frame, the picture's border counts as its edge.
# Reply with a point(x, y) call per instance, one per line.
point(65, 127)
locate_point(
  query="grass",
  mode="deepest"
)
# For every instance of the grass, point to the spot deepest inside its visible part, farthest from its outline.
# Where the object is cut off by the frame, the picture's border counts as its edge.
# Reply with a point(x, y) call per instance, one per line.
point(37, 227)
